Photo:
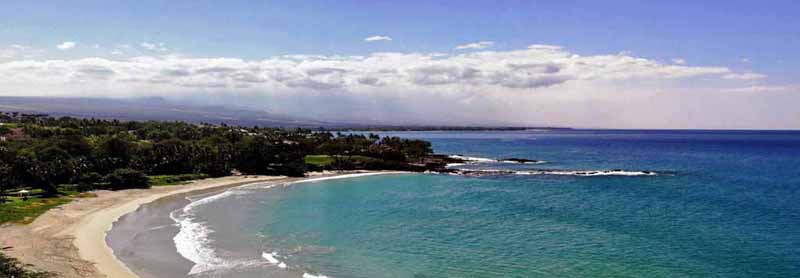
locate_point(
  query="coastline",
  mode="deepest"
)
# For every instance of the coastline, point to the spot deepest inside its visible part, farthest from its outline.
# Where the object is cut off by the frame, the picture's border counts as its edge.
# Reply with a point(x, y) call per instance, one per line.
point(70, 240)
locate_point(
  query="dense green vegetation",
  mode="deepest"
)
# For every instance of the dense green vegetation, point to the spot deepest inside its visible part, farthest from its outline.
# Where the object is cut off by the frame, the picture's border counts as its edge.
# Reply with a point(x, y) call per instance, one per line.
point(10, 267)
point(54, 155)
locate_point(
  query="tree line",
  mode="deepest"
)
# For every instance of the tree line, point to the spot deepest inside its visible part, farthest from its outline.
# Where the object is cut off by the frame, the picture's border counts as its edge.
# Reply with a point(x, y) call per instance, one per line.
point(45, 152)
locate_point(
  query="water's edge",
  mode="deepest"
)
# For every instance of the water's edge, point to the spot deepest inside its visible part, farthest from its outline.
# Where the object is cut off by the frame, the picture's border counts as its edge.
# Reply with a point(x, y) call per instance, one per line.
point(156, 254)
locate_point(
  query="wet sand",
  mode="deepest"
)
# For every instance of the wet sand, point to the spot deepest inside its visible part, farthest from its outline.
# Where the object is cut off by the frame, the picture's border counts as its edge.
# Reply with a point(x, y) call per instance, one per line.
point(142, 240)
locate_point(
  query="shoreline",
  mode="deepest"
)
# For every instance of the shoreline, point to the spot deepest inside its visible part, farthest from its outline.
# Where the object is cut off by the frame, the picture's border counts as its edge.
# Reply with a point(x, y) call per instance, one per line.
point(71, 240)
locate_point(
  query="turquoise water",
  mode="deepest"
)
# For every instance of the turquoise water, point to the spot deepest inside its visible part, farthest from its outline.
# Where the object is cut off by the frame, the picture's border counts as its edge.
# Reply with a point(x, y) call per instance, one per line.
point(723, 204)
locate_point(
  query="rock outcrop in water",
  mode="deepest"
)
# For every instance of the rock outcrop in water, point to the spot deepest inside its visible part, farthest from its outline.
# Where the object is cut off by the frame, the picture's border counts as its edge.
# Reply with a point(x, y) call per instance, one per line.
point(521, 160)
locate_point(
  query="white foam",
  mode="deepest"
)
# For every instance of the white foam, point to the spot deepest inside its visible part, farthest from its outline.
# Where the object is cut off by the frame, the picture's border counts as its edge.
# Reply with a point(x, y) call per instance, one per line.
point(258, 186)
point(193, 243)
point(271, 258)
point(524, 162)
point(345, 176)
point(306, 275)
point(600, 173)
point(473, 159)
point(192, 240)
point(582, 173)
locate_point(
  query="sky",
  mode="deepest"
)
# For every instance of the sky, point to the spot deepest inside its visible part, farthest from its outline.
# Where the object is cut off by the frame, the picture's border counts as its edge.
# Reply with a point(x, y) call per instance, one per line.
point(599, 64)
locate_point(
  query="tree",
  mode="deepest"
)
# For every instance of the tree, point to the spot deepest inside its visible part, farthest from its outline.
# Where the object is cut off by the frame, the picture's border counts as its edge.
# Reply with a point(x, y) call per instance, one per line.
point(127, 178)
point(214, 159)
point(257, 155)
point(40, 174)
point(51, 151)
point(254, 156)
point(171, 157)
point(86, 182)
point(4, 130)
point(113, 153)
point(296, 168)
point(74, 145)
point(342, 163)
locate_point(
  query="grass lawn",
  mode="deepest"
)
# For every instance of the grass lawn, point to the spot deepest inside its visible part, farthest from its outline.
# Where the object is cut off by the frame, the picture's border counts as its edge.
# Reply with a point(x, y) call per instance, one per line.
point(24, 212)
point(323, 160)
point(15, 210)
point(319, 160)
point(165, 180)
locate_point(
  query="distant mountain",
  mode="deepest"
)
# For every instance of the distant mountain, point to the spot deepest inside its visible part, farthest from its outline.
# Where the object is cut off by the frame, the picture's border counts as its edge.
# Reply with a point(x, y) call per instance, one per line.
point(159, 109)
point(142, 109)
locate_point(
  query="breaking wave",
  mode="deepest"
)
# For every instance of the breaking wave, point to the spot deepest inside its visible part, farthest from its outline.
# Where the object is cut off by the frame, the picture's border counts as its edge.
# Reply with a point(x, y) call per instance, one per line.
point(272, 259)
point(580, 173)
point(524, 162)
point(193, 242)
point(306, 275)
point(475, 160)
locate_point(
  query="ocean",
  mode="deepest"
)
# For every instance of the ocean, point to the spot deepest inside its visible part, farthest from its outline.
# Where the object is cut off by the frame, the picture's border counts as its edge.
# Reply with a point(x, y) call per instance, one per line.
point(602, 203)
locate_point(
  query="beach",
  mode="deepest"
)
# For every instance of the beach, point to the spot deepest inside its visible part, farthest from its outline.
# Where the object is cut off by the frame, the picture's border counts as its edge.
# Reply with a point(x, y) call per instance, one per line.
point(70, 240)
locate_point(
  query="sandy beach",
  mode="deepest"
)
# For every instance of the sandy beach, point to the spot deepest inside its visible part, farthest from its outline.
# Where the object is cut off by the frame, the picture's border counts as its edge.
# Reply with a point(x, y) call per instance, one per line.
point(70, 240)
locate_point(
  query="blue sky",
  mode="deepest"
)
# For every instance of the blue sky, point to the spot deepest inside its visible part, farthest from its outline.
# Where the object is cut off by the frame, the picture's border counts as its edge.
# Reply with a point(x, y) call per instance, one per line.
point(743, 36)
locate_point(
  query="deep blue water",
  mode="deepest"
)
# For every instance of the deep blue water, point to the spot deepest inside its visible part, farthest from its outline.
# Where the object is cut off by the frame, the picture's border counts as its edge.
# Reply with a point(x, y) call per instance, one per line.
point(724, 204)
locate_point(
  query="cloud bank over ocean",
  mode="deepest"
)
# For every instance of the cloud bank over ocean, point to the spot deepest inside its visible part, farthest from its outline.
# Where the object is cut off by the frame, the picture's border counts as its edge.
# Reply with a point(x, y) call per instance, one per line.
point(540, 84)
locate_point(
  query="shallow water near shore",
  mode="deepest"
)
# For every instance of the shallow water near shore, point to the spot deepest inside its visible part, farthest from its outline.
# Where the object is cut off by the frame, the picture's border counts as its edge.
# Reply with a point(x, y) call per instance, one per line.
point(143, 239)
point(721, 204)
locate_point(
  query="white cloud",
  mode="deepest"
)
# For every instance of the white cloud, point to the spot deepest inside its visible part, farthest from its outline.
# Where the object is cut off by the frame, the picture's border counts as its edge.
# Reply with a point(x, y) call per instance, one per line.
point(759, 89)
point(377, 38)
point(538, 66)
point(476, 45)
point(679, 61)
point(538, 84)
point(744, 60)
point(744, 76)
point(154, 46)
point(11, 51)
point(556, 47)
point(7, 53)
point(625, 53)
point(18, 51)
point(148, 45)
point(66, 45)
